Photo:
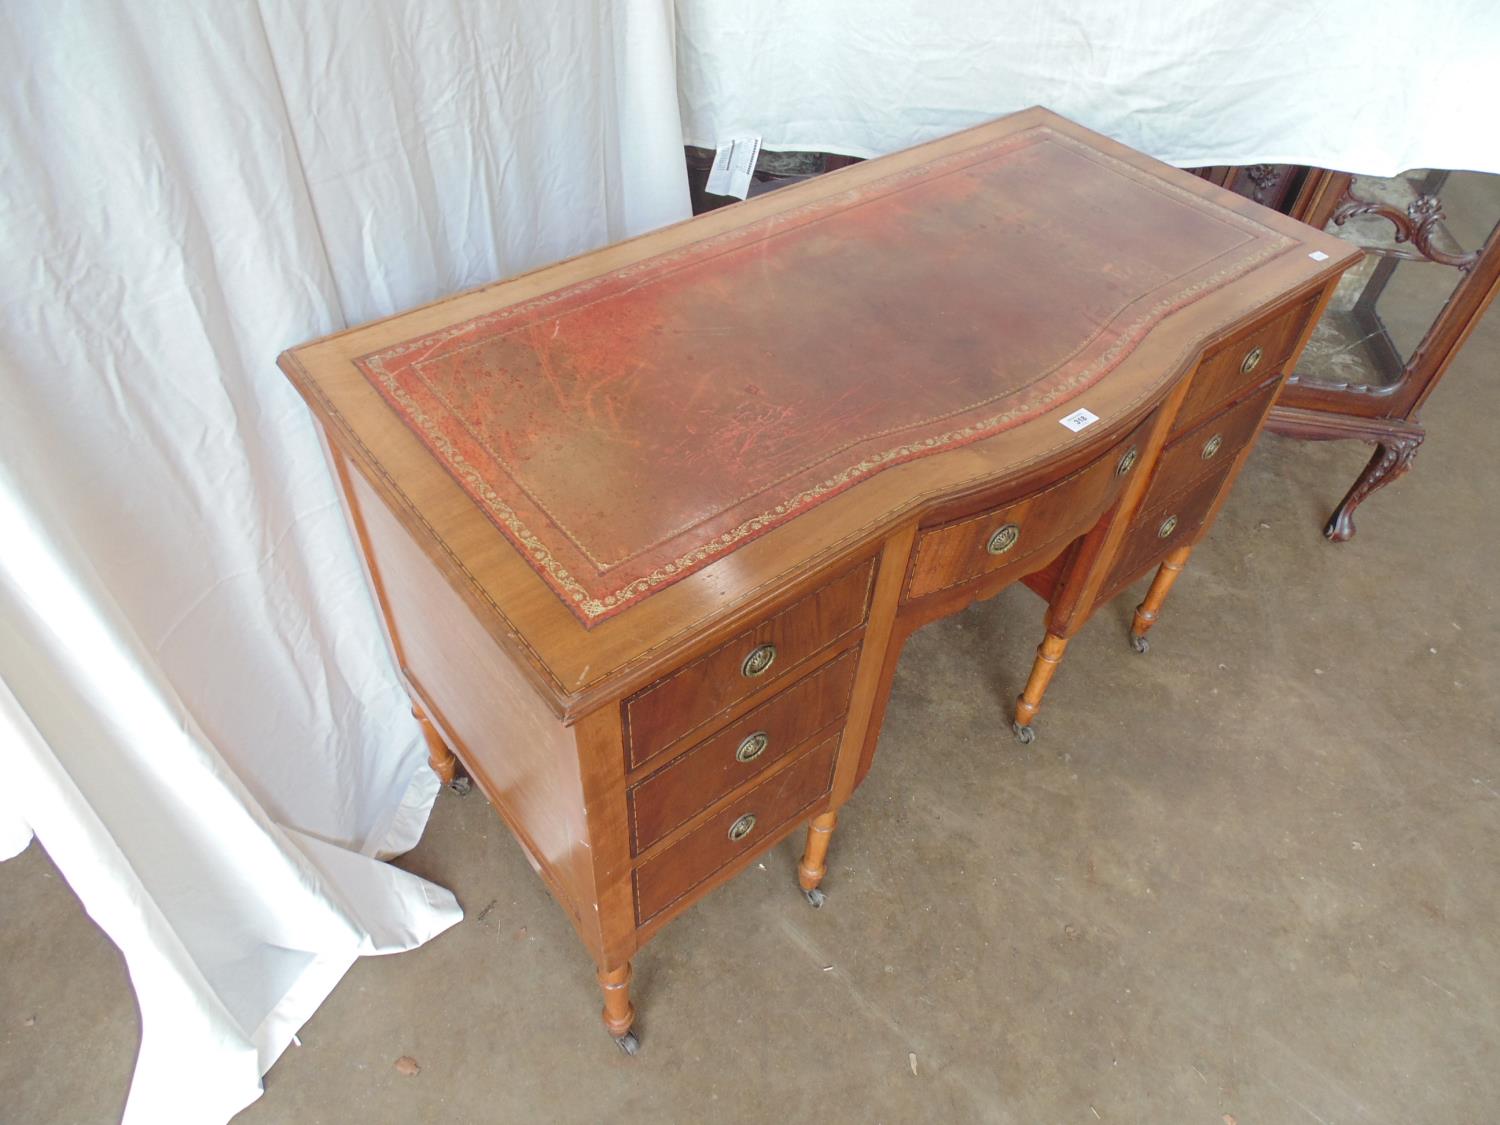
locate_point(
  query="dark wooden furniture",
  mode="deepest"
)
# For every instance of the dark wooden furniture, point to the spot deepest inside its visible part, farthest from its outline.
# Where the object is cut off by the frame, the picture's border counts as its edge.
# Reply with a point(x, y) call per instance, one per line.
point(1357, 380)
point(1293, 189)
point(649, 527)
point(772, 170)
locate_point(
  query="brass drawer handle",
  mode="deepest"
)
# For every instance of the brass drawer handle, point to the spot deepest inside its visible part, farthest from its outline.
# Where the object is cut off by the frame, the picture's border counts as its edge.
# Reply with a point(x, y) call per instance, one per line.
point(741, 828)
point(1127, 462)
point(1211, 446)
point(1003, 539)
point(1251, 360)
point(1168, 526)
point(759, 660)
point(753, 747)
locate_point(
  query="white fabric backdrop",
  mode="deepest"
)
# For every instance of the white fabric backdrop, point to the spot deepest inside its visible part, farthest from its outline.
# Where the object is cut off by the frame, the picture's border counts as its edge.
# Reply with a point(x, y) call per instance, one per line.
point(1371, 86)
point(199, 718)
point(197, 713)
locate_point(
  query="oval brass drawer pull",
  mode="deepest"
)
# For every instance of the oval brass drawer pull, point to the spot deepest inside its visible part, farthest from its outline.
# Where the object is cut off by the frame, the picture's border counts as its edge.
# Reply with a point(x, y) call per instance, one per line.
point(1003, 539)
point(742, 827)
point(1211, 446)
point(1127, 462)
point(1168, 526)
point(753, 747)
point(759, 660)
point(1251, 360)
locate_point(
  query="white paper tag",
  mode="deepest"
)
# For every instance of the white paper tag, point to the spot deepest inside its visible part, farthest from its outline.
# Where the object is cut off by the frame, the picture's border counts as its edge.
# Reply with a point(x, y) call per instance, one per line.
point(1318, 256)
point(1080, 420)
point(734, 163)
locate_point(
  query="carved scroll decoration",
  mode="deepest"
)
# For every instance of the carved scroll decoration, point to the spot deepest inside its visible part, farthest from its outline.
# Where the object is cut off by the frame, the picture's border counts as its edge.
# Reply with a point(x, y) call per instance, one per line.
point(1264, 177)
point(1415, 225)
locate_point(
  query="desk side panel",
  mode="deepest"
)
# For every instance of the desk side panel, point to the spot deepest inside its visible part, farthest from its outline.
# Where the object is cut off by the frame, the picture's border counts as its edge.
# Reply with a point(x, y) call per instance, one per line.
point(522, 757)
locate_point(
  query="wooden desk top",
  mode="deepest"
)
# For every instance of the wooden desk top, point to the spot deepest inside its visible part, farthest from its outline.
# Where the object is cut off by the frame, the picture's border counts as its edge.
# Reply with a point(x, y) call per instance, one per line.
point(611, 456)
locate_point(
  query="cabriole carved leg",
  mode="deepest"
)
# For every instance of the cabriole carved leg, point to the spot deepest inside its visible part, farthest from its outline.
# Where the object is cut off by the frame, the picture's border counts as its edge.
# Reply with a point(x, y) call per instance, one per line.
point(1150, 609)
point(1393, 456)
point(814, 863)
point(619, 1012)
point(1048, 657)
point(442, 759)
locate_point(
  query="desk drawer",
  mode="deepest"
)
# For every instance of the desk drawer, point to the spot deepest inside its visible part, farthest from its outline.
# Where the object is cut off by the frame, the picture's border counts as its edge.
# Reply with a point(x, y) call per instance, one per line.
point(1210, 445)
point(661, 715)
point(745, 748)
point(1009, 536)
point(1243, 361)
point(744, 825)
point(1164, 524)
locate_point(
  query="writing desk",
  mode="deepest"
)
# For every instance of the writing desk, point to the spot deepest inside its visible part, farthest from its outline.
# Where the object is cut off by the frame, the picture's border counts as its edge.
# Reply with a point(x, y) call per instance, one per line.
point(649, 527)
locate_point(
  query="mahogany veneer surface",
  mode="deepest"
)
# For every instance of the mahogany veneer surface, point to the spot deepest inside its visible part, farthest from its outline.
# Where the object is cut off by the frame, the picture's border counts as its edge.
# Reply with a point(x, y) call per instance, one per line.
point(960, 551)
point(1212, 443)
point(671, 795)
point(663, 879)
point(649, 527)
point(679, 704)
point(1222, 373)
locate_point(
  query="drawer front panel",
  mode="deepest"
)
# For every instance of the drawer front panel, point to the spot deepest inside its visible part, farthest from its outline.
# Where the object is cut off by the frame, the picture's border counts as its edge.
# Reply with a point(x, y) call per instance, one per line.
point(1163, 525)
point(1242, 362)
point(665, 713)
point(1007, 537)
point(1210, 445)
point(742, 826)
point(742, 750)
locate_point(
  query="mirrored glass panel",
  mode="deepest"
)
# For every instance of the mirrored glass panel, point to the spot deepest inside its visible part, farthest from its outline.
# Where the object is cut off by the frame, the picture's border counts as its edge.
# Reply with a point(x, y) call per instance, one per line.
point(1422, 230)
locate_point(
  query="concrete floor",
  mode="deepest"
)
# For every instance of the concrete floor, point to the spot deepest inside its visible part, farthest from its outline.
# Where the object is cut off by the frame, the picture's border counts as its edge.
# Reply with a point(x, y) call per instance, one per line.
point(1249, 877)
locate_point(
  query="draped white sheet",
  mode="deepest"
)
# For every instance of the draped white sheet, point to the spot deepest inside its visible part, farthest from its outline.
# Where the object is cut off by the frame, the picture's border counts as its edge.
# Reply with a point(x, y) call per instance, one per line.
point(199, 718)
point(1370, 86)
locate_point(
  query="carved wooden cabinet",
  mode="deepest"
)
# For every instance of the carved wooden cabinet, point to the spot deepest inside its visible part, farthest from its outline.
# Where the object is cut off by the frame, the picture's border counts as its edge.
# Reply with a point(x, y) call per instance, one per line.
point(1365, 378)
point(649, 527)
point(1291, 189)
point(1361, 378)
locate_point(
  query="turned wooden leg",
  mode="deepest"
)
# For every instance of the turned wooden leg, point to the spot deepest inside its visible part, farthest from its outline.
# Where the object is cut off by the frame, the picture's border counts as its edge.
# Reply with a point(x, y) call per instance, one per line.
point(442, 760)
point(1048, 657)
point(1150, 608)
point(814, 864)
point(619, 1012)
point(1393, 457)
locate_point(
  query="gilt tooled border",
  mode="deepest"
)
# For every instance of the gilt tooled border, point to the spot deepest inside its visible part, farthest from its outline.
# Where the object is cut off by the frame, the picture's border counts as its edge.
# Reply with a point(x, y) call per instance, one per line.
point(1018, 409)
point(591, 607)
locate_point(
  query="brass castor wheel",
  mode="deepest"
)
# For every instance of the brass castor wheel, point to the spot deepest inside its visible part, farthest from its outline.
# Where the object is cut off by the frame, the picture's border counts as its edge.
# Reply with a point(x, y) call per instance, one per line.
point(629, 1043)
point(1140, 643)
point(815, 898)
point(1024, 735)
point(461, 785)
